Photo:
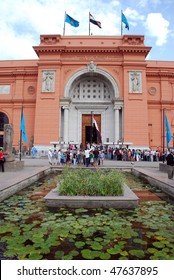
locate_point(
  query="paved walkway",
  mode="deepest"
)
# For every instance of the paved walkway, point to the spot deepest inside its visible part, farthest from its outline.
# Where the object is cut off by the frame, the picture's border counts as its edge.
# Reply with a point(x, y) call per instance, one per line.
point(34, 166)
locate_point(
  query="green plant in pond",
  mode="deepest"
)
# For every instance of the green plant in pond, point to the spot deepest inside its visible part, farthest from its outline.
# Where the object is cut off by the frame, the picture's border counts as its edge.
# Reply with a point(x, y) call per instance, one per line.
point(35, 232)
point(92, 183)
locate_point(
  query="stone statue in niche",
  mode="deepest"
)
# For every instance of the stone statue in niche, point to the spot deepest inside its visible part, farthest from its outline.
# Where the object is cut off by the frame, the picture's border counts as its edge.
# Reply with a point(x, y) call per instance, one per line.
point(135, 83)
point(48, 81)
point(8, 140)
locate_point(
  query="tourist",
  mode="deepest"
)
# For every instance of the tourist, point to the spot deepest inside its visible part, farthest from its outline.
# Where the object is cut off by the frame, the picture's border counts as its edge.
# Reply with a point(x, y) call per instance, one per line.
point(96, 156)
point(87, 158)
point(102, 156)
point(54, 157)
point(59, 157)
point(68, 157)
point(78, 156)
point(62, 158)
point(50, 156)
point(33, 151)
point(170, 163)
point(74, 158)
point(2, 159)
point(91, 158)
point(170, 159)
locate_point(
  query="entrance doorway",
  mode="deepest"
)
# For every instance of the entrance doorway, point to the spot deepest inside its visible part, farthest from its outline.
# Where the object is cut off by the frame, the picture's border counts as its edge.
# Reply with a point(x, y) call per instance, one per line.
point(89, 134)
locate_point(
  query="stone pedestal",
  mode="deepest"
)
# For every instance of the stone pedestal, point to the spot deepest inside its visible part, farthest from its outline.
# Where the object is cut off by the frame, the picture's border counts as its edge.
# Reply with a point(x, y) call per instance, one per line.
point(170, 172)
point(11, 166)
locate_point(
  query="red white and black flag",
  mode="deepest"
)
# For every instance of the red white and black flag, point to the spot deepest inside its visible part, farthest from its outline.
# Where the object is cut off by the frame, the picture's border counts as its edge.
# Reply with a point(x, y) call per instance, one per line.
point(94, 123)
point(92, 20)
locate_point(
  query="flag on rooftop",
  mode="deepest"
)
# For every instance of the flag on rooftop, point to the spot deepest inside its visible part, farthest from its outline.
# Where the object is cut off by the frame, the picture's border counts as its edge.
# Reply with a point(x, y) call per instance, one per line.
point(92, 20)
point(71, 20)
point(124, 20)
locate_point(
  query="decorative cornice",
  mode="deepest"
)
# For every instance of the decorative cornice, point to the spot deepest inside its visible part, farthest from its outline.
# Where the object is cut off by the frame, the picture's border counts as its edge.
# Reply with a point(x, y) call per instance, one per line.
point(133, 39)
point(13, 73)
point(160, 102)
point(99, 50)
point(159, 74)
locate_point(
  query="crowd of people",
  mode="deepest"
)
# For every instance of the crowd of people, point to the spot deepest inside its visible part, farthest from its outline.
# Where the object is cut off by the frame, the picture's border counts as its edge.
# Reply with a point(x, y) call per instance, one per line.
point(94, 155)
point(90, 156)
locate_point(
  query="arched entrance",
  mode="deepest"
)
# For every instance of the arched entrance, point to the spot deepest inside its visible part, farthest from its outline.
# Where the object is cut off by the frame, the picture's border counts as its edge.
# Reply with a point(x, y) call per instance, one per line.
point(91, 90)
point(89, 133)
point(3, 120)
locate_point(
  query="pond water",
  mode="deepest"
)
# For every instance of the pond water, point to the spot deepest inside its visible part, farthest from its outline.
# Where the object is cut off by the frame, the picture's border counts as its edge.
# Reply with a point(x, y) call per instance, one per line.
point(31, 231)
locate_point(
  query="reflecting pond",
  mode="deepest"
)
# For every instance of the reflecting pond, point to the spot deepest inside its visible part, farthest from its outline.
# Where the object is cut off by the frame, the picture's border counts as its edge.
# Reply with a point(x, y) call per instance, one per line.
point(31, 231)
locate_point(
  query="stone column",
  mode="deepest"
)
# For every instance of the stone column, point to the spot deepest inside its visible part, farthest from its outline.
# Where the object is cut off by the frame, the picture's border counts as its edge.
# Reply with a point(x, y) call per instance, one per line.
point(117, 124)
point(66, 123)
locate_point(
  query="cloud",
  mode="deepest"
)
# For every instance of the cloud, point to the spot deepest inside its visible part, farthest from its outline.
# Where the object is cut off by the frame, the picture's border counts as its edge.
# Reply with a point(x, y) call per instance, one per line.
point(157, 27)
point(23, 21)
point(145, 3)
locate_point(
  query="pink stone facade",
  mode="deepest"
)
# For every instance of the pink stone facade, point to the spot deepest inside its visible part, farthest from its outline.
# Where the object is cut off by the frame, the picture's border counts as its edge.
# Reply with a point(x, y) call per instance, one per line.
point(137, 91)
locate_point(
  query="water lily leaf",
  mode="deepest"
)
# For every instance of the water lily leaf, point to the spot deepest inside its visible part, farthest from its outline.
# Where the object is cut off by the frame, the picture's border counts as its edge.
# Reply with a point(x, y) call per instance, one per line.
point(160, 238)
point(114, 251)
point(74, 253)
point(158, 245)
point(80, 210)
point(105, 256)
point(98, 239)
point(124, 253)
point(123, 258)
point(59, 255)
point(139, 241)
point(137, 253)
point(87, 254)
point(96, 245)
point(35, 255)
point(79, 244)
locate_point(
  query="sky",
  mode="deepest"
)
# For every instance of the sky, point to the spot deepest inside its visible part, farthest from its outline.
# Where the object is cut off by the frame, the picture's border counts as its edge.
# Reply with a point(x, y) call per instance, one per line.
point(23, 21)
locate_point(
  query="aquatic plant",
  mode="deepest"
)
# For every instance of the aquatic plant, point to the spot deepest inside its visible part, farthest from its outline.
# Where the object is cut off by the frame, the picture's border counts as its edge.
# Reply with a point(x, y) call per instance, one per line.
point(35, 232)
point(92, 183)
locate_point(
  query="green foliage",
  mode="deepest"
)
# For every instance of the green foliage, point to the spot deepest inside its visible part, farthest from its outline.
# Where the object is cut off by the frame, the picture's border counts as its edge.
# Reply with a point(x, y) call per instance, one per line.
point(91, 183)
point(36, 232)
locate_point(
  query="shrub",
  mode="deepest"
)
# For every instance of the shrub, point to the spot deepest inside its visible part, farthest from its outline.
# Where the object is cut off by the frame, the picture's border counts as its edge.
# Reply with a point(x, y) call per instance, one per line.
point(85, 182)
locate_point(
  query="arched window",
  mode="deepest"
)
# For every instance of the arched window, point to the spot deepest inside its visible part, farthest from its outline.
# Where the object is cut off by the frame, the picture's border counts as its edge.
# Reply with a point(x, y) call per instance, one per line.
point(3, 120)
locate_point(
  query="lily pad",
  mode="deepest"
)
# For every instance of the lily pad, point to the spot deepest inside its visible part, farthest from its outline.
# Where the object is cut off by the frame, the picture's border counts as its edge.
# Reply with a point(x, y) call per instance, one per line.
point(137, 253)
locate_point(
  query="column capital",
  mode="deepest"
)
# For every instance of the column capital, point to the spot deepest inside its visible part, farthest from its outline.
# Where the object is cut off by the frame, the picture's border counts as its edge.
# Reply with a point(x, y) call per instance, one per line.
point(117, 107)
point(65, 107)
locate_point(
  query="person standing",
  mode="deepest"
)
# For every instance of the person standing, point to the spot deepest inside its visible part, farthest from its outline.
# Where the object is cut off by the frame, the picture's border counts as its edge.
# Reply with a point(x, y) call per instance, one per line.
point(50, 156)
point(170, 162)
point(102, 156)
point(54, 156)
point(96, 156)
point(2, 159)
point(33, 151)
point(87, 156)
point(91, 156)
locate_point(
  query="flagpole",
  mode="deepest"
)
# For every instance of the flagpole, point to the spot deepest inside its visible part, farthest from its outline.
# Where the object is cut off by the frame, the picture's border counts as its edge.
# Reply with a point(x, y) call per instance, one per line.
point(91, 131)
point(64, 25)
point(89, 24)
point(163, 133)
point(20, 141)
point(121, 24)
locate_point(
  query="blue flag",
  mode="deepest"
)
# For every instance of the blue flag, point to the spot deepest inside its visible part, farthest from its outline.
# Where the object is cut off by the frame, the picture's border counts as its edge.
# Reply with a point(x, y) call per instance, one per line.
point(71, 21)
point(124, 20)
point(167, 128)
point(22, 128)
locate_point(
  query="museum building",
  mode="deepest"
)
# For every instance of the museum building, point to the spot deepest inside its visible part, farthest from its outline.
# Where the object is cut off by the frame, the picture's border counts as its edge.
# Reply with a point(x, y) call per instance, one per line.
point(76, 75)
